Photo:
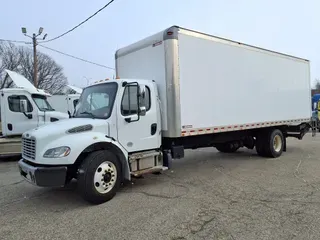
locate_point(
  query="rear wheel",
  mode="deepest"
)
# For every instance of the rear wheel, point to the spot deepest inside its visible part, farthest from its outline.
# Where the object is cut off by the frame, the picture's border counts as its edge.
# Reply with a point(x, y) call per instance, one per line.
point(227, 147)
point(270, 144)
point(99, 177)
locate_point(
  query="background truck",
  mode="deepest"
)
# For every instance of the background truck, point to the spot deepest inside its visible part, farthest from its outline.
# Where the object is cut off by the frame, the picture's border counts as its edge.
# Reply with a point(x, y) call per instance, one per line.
point(22, 108)
point(67, 102)
point(316, 109)
point(178, 89)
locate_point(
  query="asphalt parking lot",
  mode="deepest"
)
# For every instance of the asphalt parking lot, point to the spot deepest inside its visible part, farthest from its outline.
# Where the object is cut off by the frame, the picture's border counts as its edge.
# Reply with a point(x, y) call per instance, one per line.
point(207, 195)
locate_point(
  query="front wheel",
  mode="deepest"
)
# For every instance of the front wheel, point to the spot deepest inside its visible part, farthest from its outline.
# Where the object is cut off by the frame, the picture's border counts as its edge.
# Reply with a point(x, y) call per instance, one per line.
point(99, 177)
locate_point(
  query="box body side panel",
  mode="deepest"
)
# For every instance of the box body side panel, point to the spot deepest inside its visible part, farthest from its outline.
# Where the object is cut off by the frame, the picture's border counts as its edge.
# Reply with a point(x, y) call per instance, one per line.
point(223, 84)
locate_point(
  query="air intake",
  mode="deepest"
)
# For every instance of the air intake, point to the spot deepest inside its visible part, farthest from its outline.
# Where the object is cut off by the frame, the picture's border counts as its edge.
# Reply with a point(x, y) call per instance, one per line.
point(82, 128)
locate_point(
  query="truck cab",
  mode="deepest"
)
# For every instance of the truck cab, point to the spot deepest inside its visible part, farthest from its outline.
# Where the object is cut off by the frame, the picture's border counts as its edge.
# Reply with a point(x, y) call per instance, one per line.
point(115, 131)
point(23, 109)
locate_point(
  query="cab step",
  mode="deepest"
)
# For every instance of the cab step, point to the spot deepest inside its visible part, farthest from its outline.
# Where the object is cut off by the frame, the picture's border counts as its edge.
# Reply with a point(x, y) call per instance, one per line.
point(146, 162)
point(149, 170)
point(140, 155)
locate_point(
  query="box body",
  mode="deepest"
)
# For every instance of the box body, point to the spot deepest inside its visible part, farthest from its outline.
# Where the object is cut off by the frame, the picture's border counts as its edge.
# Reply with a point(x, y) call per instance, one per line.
point(208, 84)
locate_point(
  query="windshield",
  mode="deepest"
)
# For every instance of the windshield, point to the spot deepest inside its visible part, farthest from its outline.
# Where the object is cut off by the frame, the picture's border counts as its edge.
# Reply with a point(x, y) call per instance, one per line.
point(42, 103)
point(96, 101)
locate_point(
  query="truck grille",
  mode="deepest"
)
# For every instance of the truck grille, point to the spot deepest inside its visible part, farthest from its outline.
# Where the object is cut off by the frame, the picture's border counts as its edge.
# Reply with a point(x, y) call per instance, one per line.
point(29, 148)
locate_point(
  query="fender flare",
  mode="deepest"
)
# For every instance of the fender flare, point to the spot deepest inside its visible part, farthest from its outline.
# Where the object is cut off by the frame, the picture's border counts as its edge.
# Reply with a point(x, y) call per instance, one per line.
point(86, 142)
point(116, 149)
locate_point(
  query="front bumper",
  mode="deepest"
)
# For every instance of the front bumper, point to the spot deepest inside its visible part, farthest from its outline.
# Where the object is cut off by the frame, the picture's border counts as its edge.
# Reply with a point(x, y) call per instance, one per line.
point(43, 176)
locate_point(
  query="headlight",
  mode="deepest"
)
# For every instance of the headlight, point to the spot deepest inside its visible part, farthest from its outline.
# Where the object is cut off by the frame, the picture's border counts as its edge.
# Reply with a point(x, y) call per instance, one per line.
point(57, 152)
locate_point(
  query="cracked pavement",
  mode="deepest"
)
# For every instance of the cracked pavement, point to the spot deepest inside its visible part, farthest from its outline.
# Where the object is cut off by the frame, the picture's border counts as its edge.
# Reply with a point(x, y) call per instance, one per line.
point(206, 195)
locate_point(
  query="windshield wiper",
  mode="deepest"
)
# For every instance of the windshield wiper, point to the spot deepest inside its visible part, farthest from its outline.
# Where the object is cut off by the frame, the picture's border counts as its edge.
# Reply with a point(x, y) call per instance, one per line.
point(89, 113)
point(47, 109)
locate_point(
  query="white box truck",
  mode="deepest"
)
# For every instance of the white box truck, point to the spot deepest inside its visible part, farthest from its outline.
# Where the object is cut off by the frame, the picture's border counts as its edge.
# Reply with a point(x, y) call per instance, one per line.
point(178, 89)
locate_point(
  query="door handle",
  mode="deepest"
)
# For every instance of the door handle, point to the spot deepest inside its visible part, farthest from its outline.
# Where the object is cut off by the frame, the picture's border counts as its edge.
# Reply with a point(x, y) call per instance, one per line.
point(153, 128)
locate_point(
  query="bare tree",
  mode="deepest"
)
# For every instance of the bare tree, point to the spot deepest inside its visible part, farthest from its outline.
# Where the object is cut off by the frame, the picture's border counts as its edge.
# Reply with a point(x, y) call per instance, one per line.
point(20, 59)
point(9, 59)
point(50, 74)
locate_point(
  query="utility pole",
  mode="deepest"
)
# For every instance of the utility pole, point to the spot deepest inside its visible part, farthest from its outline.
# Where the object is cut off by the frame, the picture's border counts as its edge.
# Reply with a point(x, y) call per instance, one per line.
point(35, 59)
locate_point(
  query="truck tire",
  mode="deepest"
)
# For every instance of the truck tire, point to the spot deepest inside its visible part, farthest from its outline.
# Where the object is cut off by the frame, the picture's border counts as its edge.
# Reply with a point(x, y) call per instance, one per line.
point(99, 177)
point(227, 147)
point(260, 145)
point(270, 144)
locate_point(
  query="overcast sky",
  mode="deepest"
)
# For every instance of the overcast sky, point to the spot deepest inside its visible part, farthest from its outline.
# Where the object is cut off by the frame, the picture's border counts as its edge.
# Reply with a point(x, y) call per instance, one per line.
point(288, 26)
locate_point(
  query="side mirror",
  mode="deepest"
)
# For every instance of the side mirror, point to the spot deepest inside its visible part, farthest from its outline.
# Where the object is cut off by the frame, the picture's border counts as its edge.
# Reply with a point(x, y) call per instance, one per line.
point(23, 106)
point(142, 100)
point(24, 109)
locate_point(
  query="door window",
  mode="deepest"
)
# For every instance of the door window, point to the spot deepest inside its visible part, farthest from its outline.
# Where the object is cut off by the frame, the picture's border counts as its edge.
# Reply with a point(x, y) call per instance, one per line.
point(129, 104)
point(14, 103)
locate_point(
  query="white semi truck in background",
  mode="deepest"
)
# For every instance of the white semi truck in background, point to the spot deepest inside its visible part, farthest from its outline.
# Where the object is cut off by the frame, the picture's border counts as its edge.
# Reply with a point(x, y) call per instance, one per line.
point(67, 102)
point(22, 108)
point(178, 89)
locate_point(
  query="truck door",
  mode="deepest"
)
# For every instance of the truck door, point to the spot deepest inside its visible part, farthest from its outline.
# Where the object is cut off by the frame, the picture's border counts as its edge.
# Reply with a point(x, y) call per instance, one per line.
point(16, 122)
point(142, 133)
point(75, 102)
point(72, 103)
point(69, 104)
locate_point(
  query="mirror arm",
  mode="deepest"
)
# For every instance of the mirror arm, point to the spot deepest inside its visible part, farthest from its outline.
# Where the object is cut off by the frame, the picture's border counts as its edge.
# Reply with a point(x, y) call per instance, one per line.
point(128, 119)
point(29, 116)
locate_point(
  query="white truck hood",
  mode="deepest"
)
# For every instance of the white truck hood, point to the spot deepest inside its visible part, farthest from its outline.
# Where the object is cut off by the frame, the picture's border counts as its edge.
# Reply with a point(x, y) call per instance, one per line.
point(56, 114)
point(21, 82)
point(56, 129)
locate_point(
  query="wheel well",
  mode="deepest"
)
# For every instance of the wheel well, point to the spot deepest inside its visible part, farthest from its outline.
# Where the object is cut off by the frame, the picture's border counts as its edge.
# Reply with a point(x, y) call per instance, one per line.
point(105, 146)
point(282, 128)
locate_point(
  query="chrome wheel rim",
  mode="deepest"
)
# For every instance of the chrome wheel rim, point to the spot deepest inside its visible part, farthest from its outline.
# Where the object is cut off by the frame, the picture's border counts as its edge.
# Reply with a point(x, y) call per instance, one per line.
point(277, 143)
point(105, 177)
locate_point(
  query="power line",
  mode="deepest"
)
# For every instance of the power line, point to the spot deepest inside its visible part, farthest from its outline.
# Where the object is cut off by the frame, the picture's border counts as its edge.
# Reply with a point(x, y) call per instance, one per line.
point(54, 50)
point(81, 59)
point(79, 23)
point(13, 41)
